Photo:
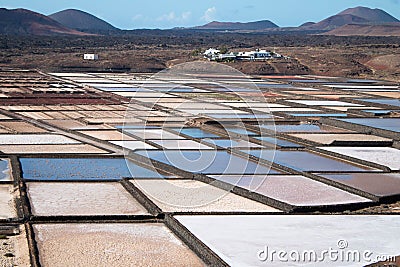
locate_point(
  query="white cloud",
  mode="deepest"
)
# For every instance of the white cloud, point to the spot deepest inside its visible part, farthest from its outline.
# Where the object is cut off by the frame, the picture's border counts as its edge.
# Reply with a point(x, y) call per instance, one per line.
point(137, 17)
point(172, 17)
point(209, 14)
point(186, 15)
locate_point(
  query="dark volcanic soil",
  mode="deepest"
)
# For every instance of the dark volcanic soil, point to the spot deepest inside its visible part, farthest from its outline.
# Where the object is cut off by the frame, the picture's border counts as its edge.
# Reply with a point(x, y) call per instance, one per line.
point(152, 51)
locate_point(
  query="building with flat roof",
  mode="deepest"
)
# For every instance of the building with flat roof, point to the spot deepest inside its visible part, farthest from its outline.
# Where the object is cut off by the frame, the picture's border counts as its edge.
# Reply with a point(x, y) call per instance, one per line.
point(91, 56)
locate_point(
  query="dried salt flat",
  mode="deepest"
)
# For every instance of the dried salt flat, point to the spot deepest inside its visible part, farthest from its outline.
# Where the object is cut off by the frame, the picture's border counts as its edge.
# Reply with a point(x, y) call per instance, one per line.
point(61, 85)
point(324, 103)
point(165, 86)
point(51, 108)
point(52, 149)
point(67, 74)
point(72, 114)
point(35, 139)
point(303, 128)
point(195, 196)
point(120, 79)
point(385, 94)
point(134, 114)
point(36, 115)
point(151, 81)
point(347, 108)
point(180, 144)
point(264, 234)
point(16, 108)
point(14, 249)
point(295, 190)
point(77, 125)
point(289, 109)
point(225, 143)
point(370, 90)
point(120, 120)
point(153, 134)
point(183, 103)
point(248, 104)
point(133, 145)
point(100, 114)
point(108, 84)
point(361, 81)
point(144, 94)
point(386, 156)
point(335, 97)
point(7, 204)
point(158, 119)
point(108, 135)
point(21, 127)
point(180, 89)
point(100, 244)
point(212, 111)
point(156, 100)
point(306, 89)
point(62, 199)
point(61, 89)
point(344, 86)
point(192, 105)
point(327, 139)
point(64, 115)
point(93, 80)
point(315, 92)
point(4, 117)
point(116, 75)
point(122, 89)
point(315, 115)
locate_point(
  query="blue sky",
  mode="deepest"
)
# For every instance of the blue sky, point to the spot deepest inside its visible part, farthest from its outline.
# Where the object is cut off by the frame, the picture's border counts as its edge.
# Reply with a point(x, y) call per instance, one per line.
point(130, 14)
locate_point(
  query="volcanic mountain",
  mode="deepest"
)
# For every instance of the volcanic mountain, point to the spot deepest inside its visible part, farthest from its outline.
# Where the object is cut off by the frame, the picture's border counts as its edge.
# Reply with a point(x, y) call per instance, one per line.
point(357, 15)
point(256, 25)
point(82, 21)
point(373, 15)
point(25, 22)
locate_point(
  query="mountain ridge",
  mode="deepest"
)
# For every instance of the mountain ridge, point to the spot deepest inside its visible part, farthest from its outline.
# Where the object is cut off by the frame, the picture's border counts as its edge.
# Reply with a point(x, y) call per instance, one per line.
point(373, 15)
point(82, 21)
point(26, 22)
point(75, 22)
point(356, 15)
point(253, 25)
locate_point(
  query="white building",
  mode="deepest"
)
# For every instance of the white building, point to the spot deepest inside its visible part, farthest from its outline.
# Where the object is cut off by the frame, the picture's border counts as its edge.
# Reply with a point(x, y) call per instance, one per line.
point(255, 55)
point(215, 55)
point(91, 56)
point(223, 57)
point(210, 52)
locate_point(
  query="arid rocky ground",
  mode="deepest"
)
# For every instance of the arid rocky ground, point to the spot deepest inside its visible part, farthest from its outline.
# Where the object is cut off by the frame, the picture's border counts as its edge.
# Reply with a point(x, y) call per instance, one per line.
point(151, 51)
